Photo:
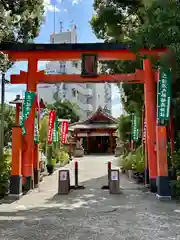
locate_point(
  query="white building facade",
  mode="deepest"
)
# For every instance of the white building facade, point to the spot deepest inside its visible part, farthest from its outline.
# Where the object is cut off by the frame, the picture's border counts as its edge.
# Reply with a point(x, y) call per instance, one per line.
point(88, 97)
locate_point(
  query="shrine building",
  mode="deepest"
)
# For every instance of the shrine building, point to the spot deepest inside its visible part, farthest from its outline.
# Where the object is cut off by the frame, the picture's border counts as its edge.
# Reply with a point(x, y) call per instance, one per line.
point(97, 133)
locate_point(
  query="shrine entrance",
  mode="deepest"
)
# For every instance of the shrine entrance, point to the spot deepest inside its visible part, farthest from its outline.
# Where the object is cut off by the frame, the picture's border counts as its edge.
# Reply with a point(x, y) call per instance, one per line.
point(90, 54)
point(98, 132)
point(99, 144)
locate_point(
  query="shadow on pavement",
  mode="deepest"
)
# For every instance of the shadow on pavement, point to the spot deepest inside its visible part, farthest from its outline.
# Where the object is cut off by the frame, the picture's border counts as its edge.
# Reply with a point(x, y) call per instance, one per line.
point(93, 213)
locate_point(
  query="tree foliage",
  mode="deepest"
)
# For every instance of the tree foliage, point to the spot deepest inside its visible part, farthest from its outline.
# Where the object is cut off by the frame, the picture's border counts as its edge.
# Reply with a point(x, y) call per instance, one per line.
point(20, 21)
point(43, 133)
point(9, 118)
point(139, 24)
point(124, 127)
point(65, 110)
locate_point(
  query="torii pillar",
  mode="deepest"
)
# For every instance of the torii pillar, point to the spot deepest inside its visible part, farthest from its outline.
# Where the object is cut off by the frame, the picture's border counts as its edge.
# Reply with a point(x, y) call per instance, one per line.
point(150, 113)
point(16, 165)
point(29, 147)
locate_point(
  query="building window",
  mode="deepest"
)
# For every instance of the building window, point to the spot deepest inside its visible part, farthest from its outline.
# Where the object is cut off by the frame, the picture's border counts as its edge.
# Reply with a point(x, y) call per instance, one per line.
point(75, 64)
point(74, 92)
point(64, 87)
point(60, 66)
point(64, 69)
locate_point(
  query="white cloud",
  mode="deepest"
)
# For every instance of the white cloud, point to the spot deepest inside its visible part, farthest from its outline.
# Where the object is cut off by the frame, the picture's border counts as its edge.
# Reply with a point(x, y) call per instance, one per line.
point(65, 10)
point(49, 7)
point(12, 91)
point(74, 2)
point(42, 65)
point(117, 110)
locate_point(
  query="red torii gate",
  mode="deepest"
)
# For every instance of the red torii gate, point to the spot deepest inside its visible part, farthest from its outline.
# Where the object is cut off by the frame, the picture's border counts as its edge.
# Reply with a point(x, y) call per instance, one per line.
point(157, 156)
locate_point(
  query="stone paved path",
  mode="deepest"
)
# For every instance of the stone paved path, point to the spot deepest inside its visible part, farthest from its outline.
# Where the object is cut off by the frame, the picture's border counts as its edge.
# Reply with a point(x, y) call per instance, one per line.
point(90, 213)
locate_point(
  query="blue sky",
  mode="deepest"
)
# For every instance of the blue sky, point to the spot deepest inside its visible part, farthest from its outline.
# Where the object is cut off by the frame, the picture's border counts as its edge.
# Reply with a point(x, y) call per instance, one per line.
point(78, 11)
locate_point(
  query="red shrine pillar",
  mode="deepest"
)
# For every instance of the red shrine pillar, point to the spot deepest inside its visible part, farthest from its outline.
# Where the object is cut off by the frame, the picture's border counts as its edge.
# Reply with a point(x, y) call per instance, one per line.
point(18, 109)
point(150, 113)
point(163, 186)
point(16, 165)
point(28, 155)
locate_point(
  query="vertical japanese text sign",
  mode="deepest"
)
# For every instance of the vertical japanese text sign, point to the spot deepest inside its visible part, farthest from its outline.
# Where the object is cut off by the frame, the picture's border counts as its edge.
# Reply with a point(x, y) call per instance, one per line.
point(52, 117)
point(55, 137)
point(144, 131)
point(135, 129)
point(164, 95)
point(64, 131)
point(36, 122)
point(27, 106)
point(89, 65)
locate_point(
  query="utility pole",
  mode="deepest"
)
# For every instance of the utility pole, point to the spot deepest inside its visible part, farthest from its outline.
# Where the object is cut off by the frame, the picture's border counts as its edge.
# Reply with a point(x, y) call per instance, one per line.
point(61, 26)
point(54, 24)
point(54, 18)
point(2, 116)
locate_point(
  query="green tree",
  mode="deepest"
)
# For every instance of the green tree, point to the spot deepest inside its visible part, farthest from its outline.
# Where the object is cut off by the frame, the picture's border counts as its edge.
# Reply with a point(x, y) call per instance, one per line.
point(9, 119)
point(124, 127)
point(20, 21)
point(141, 24)
point(65, 110)
point(43, 133)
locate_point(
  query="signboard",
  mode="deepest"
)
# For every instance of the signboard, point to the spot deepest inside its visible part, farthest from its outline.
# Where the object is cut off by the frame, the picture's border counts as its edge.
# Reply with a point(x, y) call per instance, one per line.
point(27, 106)
point(36, 129)
point(56, 71)
point(114, 175)
point(64, 131)
point(144, 131)
point(164, 95)
point(63, 176)
point(55, 137)
point(52, 117)
point(89, 65)
point(36, 121)
point(135, 128)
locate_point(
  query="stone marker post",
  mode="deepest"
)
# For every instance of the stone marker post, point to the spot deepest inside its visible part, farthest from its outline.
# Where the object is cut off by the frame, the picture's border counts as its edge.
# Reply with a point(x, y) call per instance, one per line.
point(114, 187)
point(63, 182)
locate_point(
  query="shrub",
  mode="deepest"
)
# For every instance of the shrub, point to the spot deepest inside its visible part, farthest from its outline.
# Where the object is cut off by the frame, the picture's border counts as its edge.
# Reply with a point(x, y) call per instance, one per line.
point(4, 175)
point(50, 164)
point(175, 185)
point(139, 161)
point(133, 160)
point(64, 157)
point(128, 161)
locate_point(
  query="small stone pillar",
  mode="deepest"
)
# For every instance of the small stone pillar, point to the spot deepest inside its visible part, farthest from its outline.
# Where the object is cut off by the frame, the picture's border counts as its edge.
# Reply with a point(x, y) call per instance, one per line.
point(79, 150)
point(119, 150)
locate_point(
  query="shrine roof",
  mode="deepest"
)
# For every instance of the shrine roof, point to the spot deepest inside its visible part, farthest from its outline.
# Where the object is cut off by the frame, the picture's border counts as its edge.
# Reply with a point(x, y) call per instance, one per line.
point(93, 126)
point(99, 119)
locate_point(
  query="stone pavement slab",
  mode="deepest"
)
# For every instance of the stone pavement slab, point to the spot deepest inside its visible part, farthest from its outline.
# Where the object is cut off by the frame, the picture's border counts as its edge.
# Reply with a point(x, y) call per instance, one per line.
point(91, 213)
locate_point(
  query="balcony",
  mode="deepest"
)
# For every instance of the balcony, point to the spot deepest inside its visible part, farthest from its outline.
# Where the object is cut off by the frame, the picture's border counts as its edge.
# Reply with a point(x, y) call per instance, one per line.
point(83, 90)
point(84, 107)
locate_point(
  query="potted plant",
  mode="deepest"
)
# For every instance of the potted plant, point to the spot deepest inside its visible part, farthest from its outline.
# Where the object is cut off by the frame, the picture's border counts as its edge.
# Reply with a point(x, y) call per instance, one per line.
point(50, 162)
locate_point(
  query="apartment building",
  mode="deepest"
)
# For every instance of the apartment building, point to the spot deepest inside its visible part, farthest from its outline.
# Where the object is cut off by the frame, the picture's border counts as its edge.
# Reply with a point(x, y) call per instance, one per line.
point(88, 97)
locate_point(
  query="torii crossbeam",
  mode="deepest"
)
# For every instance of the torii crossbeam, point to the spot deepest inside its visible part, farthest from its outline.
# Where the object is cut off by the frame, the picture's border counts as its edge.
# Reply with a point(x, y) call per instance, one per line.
point(41, 77)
